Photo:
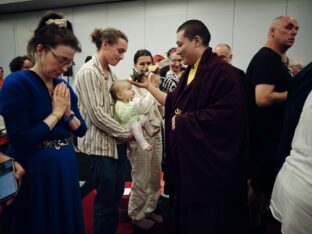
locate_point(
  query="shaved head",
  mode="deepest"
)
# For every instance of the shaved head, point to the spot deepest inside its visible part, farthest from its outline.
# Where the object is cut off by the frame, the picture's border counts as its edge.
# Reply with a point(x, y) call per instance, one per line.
point(282, 33)
point(224, 51)
point(279, 21)
point(225, 46)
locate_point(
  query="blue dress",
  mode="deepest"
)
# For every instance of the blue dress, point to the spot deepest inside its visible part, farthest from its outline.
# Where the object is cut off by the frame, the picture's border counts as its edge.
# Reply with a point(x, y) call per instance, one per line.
point(49, 201)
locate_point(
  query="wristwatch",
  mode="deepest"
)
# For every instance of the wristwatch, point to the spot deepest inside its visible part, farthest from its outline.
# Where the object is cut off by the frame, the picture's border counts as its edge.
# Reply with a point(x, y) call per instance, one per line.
point(68, 118)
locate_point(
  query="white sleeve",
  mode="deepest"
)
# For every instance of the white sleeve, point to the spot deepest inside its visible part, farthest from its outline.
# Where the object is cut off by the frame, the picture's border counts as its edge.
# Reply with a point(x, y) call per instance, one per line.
point(143, 101)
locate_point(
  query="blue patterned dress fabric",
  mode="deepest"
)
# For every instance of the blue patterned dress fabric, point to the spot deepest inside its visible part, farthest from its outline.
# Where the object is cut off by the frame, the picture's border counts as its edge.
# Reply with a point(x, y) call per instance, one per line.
point(49, 200)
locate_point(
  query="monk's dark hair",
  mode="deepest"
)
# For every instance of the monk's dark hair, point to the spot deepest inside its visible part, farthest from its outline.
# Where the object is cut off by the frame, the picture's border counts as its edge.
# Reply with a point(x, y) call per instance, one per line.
point(193, 28)
point(141, 53)
point(51, 35)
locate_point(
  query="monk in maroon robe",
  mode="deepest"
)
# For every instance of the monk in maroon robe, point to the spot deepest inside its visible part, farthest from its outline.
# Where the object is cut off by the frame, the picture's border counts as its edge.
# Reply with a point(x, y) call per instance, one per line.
point(206, 139)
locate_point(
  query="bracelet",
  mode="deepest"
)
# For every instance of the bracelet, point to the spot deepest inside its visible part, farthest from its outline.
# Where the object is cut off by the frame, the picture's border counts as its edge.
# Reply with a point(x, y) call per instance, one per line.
point(68, 118)
point(57, 115)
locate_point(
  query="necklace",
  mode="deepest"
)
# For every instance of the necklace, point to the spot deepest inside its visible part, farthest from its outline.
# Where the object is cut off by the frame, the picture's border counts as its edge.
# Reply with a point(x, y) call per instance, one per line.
point(106, 74)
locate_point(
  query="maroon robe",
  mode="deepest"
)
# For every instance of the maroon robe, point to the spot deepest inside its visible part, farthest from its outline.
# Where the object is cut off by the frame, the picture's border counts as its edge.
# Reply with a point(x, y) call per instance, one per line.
point(206, 153)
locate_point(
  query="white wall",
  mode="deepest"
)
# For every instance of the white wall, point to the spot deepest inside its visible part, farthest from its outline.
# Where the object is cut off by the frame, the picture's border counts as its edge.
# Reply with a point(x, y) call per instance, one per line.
point(150, 24)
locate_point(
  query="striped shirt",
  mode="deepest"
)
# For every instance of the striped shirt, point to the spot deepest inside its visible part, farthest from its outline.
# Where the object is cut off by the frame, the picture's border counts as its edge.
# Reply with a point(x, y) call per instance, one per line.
point(95, 103)
point(169, 83)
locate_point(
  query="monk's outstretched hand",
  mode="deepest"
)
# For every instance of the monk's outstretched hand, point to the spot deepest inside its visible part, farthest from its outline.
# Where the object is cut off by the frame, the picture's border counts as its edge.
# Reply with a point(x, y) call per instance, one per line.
point(144, 84)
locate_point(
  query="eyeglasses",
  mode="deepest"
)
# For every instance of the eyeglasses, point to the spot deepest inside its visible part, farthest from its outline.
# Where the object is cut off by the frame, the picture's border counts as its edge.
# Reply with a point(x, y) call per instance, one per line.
point(61, 61)
point(176, 60)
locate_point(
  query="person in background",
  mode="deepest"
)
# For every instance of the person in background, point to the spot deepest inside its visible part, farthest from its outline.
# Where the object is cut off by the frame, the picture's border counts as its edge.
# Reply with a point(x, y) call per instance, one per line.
point(157, 58)
point(206, 132)
point(166, 68)
point(146, 166)
point(105, 140)
point(224, 51)
point(299, 89)
point(17, 64)
point(268, 78)
point(160, 61)
point(296, 66)
point(285, 60)
point(21, 63)
point(41, 113)
point(292, 191)
point(171, 80)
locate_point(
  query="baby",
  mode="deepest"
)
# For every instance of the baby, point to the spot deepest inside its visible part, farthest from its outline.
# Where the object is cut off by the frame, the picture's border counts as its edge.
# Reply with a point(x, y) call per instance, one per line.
point(126, 114)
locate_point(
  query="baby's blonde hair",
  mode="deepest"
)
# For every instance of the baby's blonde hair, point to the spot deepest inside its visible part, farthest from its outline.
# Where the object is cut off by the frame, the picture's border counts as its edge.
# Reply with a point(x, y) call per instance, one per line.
point(116, 87)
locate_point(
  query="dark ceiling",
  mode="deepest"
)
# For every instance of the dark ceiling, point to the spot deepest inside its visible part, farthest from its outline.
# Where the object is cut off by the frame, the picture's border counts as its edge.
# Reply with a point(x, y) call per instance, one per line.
point(15, 6)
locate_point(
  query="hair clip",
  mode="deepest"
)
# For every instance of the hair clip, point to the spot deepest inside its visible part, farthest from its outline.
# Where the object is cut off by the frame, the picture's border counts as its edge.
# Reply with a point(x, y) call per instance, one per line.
point(61, 23)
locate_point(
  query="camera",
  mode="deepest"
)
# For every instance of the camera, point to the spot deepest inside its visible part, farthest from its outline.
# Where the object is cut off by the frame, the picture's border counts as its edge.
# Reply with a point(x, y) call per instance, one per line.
point(138, 76)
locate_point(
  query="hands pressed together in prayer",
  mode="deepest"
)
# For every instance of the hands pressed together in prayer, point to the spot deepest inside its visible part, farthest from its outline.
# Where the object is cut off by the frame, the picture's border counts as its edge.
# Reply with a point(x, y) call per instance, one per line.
point(61, 100)
point(61, 106)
